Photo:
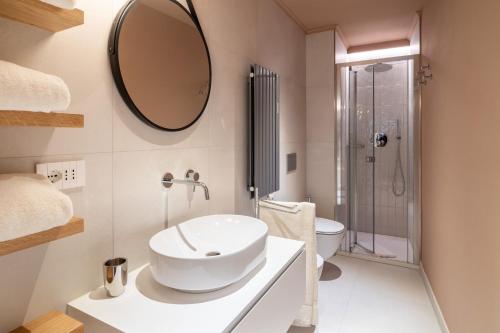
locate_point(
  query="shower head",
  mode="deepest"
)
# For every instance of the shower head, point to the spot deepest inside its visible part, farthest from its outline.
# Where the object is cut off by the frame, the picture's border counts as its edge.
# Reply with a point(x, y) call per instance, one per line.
point(378, 68)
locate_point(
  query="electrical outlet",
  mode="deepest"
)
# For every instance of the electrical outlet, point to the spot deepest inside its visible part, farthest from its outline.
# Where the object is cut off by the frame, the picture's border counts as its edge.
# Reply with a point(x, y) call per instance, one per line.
point(54, 173)
point(64, 175)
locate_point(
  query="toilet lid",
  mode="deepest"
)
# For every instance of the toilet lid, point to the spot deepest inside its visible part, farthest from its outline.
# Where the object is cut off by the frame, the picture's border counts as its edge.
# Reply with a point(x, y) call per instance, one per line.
point(328, 227)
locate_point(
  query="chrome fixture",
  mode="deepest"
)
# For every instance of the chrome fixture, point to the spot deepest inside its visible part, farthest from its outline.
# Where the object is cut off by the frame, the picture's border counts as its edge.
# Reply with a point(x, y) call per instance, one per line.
point(380, 139)
point(424, 74)
point(191, 178)
point(398, 167)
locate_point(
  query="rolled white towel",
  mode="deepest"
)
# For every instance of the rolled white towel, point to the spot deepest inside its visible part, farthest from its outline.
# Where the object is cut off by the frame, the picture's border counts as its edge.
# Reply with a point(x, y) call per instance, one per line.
point(65, 4)
point(25, 89)
point(30, 203)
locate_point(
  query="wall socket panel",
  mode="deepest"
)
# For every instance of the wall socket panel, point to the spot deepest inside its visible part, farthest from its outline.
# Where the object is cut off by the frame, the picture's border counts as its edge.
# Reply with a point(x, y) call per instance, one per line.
point(64, 175)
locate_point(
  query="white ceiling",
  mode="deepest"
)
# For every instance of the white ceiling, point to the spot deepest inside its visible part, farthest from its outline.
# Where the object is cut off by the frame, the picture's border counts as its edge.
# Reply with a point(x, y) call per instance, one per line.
point(361, 21)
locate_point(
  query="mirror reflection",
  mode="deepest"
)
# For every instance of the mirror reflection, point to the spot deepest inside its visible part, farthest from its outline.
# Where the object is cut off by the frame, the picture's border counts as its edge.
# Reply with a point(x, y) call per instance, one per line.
point(161, 63)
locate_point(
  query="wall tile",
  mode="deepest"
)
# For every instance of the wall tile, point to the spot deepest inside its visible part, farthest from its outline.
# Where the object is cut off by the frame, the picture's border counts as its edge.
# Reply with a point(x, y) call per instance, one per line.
point(321, 183)
point(320, 114)
point(292, 113)
point(320, 59)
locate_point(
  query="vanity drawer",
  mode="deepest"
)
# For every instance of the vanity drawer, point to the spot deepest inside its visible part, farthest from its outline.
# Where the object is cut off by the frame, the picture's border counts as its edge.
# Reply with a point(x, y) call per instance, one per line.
point(275, 311)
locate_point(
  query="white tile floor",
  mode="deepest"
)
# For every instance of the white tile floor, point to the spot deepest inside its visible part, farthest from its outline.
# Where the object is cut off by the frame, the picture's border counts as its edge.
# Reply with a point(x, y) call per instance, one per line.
point(358, 296)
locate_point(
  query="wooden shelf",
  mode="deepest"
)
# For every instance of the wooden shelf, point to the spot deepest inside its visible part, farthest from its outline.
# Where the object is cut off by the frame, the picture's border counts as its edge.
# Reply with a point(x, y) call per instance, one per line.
point(53, 322)
point(40, 119)
point(41, 15)
point(74, 226)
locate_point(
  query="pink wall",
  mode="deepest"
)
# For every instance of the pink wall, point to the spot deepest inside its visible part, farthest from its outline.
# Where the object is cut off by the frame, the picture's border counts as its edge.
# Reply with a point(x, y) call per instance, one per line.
point(461, 159)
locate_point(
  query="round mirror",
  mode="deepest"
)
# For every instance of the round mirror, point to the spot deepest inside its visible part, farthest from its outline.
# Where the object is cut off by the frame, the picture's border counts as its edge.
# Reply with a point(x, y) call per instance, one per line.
point(160, 62)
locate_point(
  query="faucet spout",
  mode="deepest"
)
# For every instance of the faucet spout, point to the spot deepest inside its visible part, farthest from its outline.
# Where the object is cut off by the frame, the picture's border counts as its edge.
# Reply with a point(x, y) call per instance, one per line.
point(205, 189)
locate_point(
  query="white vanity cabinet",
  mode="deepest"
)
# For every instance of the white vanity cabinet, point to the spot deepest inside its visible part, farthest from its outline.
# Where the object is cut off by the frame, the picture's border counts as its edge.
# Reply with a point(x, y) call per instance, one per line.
point(267, 300)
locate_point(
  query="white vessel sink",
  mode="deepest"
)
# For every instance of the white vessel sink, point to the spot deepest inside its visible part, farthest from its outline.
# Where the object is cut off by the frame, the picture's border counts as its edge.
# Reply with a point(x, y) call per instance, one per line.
point(208, 253)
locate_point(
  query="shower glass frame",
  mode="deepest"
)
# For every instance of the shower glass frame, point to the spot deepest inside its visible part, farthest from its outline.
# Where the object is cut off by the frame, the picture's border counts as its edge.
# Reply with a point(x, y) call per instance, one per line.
point(344, 196)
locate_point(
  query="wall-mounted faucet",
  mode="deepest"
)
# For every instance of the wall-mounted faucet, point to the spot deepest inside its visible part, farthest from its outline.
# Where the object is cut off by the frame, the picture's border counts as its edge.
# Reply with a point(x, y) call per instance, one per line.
point(191, 178)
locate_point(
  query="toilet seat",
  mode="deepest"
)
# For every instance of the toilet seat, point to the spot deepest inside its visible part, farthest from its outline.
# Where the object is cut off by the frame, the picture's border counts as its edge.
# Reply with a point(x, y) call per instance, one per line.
point(328, 227)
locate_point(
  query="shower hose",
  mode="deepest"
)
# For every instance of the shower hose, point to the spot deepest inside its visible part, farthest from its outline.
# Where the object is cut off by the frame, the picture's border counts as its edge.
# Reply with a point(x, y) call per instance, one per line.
point(398, 171)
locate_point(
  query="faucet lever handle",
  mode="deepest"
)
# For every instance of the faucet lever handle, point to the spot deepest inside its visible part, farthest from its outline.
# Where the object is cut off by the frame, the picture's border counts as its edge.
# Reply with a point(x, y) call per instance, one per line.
point(192, 176)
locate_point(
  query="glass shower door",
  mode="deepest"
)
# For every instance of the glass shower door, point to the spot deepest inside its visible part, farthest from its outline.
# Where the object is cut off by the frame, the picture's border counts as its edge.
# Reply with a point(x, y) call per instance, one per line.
point(362, 161)
point(378, 165)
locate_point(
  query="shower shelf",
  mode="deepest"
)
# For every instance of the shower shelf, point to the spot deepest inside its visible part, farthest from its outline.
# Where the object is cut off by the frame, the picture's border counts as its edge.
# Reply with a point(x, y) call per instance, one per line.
point(41, 15)
point(41, 119)
point(74, 226)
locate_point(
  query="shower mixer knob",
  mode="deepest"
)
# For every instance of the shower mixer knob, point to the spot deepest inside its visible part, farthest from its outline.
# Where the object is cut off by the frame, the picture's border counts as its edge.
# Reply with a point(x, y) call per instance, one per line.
point(380, 139)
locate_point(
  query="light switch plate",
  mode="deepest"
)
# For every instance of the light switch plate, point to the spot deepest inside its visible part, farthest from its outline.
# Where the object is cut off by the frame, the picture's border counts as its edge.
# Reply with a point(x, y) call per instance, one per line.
point(69, 175)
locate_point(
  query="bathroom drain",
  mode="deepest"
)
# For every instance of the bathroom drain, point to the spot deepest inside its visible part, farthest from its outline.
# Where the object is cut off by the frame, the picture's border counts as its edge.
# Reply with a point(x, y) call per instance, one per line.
point(212, 254)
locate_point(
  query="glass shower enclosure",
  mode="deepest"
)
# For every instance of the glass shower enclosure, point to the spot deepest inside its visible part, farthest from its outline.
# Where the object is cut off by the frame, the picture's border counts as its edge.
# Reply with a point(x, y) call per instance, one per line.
point(378, 158)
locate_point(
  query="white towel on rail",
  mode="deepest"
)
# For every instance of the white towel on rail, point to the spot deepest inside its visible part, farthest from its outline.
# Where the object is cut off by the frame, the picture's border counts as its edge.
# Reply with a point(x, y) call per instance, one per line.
point(296, 221)
point(65, 4)
point(29, 204)
point(24, 89)
point(290, 207)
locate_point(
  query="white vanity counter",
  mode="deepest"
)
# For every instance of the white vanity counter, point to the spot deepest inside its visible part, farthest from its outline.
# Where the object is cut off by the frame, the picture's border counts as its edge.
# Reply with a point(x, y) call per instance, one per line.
point(266, 300)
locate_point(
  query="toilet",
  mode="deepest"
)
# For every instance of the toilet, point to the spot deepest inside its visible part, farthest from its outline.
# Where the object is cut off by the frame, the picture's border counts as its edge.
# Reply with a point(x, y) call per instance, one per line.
point(319, 265)
point(329, 234)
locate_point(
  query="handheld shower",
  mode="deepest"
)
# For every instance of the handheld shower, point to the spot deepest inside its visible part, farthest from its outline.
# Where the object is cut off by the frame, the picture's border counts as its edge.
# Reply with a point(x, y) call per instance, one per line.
point(398, 167)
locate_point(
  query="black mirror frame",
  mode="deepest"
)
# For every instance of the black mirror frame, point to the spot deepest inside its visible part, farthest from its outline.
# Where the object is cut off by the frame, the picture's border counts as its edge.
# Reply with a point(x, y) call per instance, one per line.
point(115, 64)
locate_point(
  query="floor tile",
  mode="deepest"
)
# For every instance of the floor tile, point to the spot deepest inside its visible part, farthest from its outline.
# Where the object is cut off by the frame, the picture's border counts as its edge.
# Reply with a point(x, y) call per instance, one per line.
point(357, 296)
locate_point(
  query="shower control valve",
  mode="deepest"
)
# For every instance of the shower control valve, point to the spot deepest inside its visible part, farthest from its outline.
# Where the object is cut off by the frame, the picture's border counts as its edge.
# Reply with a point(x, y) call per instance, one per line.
point(380, 139)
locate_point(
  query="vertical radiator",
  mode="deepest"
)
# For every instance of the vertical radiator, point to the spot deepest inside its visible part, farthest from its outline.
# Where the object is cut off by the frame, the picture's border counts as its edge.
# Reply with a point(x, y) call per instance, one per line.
point(263, 132)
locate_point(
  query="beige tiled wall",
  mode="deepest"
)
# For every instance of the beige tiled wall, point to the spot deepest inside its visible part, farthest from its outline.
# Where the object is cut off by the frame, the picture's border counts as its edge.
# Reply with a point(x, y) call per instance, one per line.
point(321, 121)
point(126, 159)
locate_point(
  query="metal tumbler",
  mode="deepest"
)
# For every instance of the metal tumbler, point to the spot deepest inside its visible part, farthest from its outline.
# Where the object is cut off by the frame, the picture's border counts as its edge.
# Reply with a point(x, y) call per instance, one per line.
point(115, 276)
